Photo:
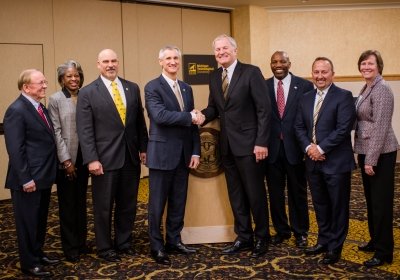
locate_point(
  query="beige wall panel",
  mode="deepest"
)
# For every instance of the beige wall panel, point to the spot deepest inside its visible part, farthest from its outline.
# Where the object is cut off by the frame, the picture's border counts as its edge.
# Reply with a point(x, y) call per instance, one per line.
point(241, 32)
point(82, 29)
point(339, 35)
point(199, 29)
point(17, 58)
point(131, 42)
point(30, 22)
point(259, 37)
point(159, 26)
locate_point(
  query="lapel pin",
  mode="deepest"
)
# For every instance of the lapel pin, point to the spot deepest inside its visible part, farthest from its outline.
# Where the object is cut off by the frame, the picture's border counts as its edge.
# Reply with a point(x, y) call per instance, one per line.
point(295, 87)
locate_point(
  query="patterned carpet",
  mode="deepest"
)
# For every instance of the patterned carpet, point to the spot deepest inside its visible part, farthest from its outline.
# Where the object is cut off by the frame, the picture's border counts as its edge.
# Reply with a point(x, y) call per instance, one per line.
point(281, 262)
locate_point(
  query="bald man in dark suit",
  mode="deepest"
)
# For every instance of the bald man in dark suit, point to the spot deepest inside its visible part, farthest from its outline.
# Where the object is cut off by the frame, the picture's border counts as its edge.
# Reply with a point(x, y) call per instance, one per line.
point(113, 137)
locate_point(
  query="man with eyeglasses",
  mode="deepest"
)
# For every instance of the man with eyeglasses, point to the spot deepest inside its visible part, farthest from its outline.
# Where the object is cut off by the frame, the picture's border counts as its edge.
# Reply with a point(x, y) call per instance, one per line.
point(31, 147)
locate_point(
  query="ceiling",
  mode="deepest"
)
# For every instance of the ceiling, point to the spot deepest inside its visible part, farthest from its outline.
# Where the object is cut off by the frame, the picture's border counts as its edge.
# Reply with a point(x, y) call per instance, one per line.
point(273, 4)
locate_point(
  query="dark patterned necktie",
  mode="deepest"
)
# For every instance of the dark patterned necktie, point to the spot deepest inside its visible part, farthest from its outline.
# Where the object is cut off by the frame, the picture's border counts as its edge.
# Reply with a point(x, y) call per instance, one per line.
point(225, 82)
point(280, 99)
point(41, 114)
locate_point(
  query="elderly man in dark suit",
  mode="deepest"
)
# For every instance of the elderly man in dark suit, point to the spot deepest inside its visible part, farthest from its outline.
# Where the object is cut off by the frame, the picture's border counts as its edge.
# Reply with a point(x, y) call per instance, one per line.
point(113, 138)
point(32, 168)
point(323, 125)
point(285, 162)
point(238, 96)
point(174, 147)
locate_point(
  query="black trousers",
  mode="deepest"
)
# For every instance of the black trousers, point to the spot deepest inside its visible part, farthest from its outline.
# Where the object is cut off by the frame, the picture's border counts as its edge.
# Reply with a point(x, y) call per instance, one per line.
point(247, 196)
point(72, 209)
point(282, 174)
point(167, 187)
point(331, 198)
point(379, 195)
point(30, 212)
point(115, 192)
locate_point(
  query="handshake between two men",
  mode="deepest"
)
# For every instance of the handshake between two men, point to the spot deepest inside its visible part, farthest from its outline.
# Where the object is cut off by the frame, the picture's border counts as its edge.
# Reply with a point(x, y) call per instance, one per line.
point(197, 117)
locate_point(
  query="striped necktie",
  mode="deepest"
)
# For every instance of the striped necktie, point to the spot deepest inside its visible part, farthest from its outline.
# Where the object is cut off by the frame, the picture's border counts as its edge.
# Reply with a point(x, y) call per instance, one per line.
point(41, 113)
point(225, 82)
point(315, 116)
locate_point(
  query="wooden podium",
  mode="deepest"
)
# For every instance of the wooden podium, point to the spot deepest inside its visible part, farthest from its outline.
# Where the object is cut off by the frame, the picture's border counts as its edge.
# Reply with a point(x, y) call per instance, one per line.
point(208, 216)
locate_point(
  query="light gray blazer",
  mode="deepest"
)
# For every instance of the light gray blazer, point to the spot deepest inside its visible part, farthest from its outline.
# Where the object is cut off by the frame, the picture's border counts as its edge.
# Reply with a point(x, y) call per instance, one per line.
point(62, 111)
point(374, 133)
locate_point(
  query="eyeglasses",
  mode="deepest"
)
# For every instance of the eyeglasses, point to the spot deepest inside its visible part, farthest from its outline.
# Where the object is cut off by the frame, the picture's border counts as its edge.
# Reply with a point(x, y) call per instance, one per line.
point(42, 83)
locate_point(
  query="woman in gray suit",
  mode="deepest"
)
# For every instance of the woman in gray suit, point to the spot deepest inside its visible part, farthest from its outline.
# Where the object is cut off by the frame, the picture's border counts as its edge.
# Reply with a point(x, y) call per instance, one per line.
point(376, 146)
point(72, 176)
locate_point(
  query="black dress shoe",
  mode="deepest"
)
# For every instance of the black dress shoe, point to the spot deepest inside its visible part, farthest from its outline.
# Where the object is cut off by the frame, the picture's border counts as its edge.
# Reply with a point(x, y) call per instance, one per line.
point(315, 250)
point(127, 251)
point(279, 238)
point(160, 257)
point(301, 241)
point(260, 248)
point(72, 258)
point(179, 248)
point(37, 271)
point(48, 261)
point(331, 257)
point(110, 256)
point(369, 247)
point(376, 261)
point(237, 246)
point(86, 250)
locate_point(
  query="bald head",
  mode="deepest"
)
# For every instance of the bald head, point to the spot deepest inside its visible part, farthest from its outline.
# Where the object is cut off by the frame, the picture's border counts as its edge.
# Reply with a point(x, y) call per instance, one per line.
point(107, 63)
point(280, 64)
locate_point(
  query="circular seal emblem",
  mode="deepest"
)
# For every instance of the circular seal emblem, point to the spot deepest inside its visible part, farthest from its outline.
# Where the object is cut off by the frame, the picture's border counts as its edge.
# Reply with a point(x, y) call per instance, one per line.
point(210, 158)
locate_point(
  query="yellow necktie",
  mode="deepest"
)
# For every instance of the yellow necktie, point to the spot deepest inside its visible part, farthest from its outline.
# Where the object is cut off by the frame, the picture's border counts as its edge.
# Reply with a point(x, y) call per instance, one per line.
point(118, 101)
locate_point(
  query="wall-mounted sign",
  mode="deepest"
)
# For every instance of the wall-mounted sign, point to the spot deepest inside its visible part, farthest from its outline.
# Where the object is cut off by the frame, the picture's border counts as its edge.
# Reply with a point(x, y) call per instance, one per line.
point(197, 67)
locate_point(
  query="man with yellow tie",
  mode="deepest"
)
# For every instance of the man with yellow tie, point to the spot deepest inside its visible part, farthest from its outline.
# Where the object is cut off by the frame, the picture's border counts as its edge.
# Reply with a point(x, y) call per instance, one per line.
point(113, 138)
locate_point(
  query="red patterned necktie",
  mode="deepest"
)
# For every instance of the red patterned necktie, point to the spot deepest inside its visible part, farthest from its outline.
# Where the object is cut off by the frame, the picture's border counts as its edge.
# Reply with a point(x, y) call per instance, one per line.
point(280, 99)
point(41, 114)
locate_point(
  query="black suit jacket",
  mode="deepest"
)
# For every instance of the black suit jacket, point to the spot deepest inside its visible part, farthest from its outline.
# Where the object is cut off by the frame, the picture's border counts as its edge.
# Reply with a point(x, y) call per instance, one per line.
point(30, 146)
point(333, 128)
point(285, 126)
point(171, 130)
point(245, 114)
point(102, 135)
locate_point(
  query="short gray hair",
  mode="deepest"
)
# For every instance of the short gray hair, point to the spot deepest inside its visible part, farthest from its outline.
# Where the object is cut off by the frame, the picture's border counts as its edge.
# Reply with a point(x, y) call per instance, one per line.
point(62, 68)
point(161, 54)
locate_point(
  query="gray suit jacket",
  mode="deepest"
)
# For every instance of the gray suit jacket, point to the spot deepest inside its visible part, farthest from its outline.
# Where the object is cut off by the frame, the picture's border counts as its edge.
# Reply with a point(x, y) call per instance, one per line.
point(62, 111)
point(102, 134)
point(374, 133)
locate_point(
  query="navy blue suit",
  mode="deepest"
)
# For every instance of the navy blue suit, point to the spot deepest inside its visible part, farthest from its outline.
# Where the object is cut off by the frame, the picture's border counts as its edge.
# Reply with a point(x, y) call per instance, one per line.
point(285, 163)
point(31, 149)
point(173, 139)
point(329, 180)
